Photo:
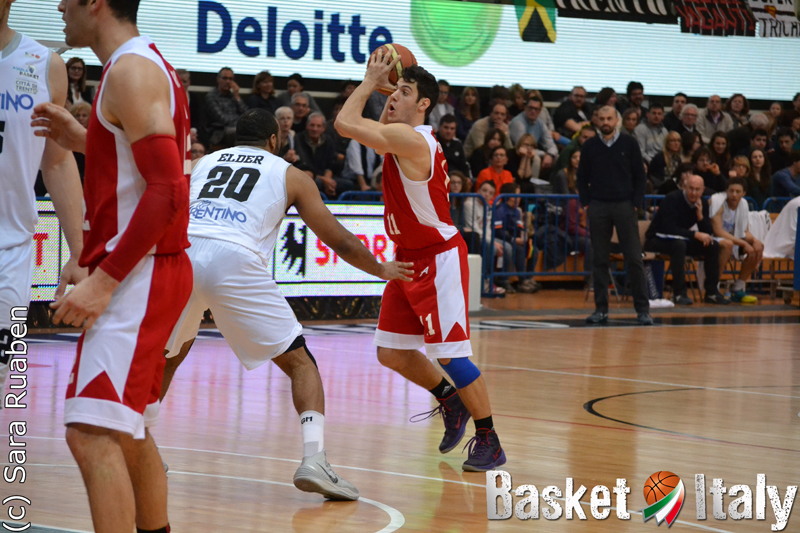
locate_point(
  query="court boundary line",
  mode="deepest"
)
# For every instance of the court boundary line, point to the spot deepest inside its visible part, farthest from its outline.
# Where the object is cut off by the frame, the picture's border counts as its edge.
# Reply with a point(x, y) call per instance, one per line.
point(385, 530)
point(647, 382)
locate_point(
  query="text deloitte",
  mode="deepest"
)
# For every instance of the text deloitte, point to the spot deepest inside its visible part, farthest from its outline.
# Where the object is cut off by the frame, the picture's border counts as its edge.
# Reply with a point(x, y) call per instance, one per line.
point(249, 31)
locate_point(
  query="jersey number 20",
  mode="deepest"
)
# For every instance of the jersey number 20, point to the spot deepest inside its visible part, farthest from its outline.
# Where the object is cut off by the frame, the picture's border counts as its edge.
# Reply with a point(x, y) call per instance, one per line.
point(221, 176)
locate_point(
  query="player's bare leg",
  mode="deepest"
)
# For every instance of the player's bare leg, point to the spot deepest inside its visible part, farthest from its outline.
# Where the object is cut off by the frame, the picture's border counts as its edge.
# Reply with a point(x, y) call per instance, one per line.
point(412, 365)
point(172, 365)
point(308, 395)
point(98, 453)
point(475, 397)
point(148, 479)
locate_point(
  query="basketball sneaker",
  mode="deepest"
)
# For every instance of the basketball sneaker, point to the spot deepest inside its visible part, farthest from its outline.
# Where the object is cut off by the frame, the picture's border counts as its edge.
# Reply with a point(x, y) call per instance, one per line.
point(455, 416)
point(316, 475)
point(484, 452)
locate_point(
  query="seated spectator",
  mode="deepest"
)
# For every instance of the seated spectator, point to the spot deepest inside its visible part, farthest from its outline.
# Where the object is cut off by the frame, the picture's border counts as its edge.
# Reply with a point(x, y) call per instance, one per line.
point(496, 120)
point(689, 115)
point(510, 230)
point(224, 106)
point(576, 219)
point(548, 120)
point(318, 155)
point(476, 215)
point(708, 170)
point(469, 110)
point(518, 100)
point(456, 204)
point(740, 168)
point(720, 154)
point(672, 120)
point(78, 90)
point(295, 84)
point(301, 110)
point(730, 218)
point(651, 133)
point(786, 182)
point(573, 113)
point(670, 233)
point(635, 99)
point(497, 95)
point(288, 150)
point(630, 119)
point(779, 158)
point(739, 109)
point(341, 143)
point(360, 167)
point(666, 161)
point(451, 147)
point(713, 119)
point(677, 181)
point(263, 95)
point(566, 179)
point(198, 151)
point(690, 143)
point(530, 122)
point(497, 172)
point(346, 88)
point(586, 133)
point(740, 139)
point(524, 164)
point(481, 158)
point(759, 139)
point(781, 238)
point(775, 110)
point(196, 105)
point(442, 107)
point(82, 111)
point(759, 181)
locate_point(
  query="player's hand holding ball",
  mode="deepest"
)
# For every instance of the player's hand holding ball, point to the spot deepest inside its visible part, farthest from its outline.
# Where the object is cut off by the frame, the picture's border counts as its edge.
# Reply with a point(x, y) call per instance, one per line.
point(386, 64)
point(396, 270)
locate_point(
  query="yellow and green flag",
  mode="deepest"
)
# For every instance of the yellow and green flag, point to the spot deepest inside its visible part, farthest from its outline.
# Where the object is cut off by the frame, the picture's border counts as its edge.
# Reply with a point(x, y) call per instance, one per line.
point(537, 20)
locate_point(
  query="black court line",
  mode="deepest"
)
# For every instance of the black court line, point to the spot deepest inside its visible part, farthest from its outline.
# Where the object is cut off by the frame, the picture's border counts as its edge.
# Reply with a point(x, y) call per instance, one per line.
point(589, 407)
point(37, 529)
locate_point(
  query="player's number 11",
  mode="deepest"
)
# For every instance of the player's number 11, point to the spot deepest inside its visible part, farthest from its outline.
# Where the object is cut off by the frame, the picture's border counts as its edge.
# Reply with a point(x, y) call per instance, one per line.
point(429, 320)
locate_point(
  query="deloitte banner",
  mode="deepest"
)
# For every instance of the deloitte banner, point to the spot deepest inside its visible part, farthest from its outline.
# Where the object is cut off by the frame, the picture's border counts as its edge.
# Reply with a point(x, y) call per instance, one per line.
point(466, 43)
point(302, 264)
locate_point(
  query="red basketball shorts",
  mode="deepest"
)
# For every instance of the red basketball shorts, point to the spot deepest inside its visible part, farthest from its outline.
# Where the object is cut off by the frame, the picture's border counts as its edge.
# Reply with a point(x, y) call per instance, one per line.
point(116, 380)
point(431, 310)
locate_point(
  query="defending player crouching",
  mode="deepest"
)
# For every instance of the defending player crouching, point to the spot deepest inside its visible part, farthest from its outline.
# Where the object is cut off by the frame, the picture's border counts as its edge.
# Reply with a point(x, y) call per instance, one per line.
point(432, 309)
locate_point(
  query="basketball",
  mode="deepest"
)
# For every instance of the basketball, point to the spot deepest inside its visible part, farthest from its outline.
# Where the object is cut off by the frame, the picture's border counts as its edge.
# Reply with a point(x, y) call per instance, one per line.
point(659, 485)
point(407, 59)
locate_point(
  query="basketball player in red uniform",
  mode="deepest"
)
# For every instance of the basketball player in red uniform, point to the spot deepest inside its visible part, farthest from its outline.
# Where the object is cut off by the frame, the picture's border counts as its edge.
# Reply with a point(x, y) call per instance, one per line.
point(431, 310)
point(137, 210)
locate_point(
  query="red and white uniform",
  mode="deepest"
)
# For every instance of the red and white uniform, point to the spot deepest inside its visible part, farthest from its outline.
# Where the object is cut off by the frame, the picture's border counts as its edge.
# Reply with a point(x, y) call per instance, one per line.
point(431, 310)
point(117, 376)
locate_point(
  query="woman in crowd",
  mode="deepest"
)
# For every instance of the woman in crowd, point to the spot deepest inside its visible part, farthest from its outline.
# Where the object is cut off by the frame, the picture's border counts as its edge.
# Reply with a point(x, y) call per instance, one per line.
point(678, 178)
point(690, 143)
point(81, 111)
point(759, 182)
point(457, 180)
point(517, 100)
point(480, 157)
point(739, 109)
point(468, 111)
point(705, 167)
point(664, 163)
point(565, 179)
point(497, 171)
point(630, 119)
point(720, 153)
point(78, 91)
point(263, 93)
point(524, 164)
point(285, 117)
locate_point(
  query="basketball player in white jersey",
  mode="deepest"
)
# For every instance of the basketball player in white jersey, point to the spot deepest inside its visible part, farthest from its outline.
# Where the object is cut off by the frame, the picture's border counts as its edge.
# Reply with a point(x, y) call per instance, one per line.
point(431, 310)
point(239, 197)
point(30, 74)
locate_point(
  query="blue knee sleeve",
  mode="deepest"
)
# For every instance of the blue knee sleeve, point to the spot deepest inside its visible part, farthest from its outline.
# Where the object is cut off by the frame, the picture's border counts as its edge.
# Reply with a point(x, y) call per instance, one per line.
point(462, 371)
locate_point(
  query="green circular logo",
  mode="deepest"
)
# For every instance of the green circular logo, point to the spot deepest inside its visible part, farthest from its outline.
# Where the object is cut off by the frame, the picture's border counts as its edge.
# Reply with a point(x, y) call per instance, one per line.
point(454, 33)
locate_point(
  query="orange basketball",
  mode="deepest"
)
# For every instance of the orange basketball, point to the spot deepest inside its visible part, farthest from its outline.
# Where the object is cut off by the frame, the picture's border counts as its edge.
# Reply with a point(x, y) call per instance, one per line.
point(659, 485)
point(407, 59)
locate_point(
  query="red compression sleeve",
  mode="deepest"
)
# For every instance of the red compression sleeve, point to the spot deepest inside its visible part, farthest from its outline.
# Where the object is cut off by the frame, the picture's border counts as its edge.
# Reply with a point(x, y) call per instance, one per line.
point(166, 195)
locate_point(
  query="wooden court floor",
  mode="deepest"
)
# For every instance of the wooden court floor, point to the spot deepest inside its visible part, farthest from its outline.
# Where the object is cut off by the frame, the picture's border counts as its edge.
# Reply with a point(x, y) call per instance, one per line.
point(721, 400)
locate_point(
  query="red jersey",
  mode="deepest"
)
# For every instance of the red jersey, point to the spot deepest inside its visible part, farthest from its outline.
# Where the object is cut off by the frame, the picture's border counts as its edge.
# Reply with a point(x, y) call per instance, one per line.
point(417, 213)
point(113, 185)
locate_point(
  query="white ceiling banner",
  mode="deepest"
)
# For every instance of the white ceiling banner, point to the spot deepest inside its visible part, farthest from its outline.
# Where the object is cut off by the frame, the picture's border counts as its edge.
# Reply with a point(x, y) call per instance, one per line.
point(777, 18)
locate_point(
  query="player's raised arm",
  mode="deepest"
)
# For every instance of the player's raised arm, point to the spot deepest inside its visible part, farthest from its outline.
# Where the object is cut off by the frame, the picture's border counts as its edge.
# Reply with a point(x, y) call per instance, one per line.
point(302, 192)
point(396, 138)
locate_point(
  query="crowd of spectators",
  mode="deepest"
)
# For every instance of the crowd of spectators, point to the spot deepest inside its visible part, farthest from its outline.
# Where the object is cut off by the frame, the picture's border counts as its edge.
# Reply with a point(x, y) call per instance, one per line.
point(511, 140)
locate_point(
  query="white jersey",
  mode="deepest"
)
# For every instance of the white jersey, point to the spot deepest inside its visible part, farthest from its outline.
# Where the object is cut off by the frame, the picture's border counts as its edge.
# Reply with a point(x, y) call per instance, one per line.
point(24, 67)
point(239, 195)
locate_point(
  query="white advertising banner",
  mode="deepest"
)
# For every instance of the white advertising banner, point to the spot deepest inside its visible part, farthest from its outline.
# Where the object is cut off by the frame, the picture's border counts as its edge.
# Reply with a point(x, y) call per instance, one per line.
point(776, 18)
